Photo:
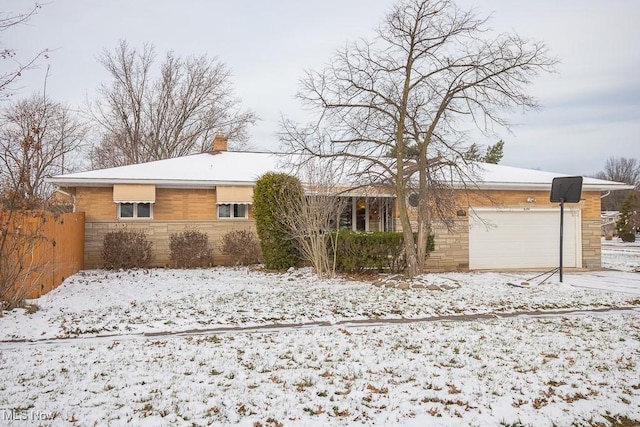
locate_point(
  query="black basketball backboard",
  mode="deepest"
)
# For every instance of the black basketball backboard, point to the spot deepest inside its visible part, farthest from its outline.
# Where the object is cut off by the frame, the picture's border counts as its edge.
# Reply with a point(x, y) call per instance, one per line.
point(566, 189)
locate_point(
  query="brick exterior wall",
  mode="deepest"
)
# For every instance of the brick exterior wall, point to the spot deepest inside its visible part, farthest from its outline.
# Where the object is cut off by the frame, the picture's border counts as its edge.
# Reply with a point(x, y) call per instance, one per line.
point(175, 209)
point(95, 202)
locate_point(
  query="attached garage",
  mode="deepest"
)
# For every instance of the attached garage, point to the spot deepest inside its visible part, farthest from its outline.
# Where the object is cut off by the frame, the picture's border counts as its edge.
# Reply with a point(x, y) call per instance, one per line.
point(523, 238)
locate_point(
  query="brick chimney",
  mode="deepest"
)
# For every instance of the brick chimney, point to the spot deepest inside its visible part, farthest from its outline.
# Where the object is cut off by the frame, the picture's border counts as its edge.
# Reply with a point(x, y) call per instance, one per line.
point(220, 142)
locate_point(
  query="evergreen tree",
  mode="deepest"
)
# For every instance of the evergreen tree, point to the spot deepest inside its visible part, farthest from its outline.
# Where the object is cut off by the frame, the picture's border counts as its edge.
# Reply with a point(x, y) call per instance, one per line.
point(494, 153)
point(278, 248)
point(626, 223)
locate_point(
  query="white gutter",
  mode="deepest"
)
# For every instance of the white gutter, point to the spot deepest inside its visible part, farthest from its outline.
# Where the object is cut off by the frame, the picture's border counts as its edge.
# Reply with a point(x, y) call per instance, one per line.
point(539, 186)
point(190, 183)
point(168, 183)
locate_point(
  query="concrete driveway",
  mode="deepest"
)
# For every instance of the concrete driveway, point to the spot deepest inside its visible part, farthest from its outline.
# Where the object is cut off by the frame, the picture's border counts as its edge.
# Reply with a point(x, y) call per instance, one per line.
point(607, 280)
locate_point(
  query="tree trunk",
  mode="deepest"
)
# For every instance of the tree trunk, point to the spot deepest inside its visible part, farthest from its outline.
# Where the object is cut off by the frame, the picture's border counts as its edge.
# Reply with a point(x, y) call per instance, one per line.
point(413, 265)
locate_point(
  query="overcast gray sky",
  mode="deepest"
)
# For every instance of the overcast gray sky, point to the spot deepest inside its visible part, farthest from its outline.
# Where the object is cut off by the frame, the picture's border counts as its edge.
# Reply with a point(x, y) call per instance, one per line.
point(591, 107)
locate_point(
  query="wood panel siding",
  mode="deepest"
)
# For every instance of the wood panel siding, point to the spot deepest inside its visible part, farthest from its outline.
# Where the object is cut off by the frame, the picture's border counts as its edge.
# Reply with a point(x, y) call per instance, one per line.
point(176, 204)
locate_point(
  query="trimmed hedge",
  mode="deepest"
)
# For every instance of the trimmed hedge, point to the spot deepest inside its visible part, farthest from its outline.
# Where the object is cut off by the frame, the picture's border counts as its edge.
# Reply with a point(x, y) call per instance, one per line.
point(359, 251)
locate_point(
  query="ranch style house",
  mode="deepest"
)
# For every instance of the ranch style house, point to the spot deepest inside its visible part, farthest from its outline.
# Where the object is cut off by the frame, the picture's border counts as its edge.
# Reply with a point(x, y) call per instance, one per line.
point(505, 222)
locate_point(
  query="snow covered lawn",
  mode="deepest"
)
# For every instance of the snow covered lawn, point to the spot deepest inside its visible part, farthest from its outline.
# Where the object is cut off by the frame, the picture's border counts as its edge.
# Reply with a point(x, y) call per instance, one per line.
point(621, 256)
point(558, 371)
point(220, 346)
point(107, 303)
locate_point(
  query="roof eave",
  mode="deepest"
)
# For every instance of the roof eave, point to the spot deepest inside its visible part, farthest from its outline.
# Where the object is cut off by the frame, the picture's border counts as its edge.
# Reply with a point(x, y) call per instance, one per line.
point(161, 183)
point(107, 182)
point(543, 186)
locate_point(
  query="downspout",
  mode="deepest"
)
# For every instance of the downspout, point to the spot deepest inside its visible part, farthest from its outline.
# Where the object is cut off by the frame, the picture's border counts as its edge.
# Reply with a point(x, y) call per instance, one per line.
point(73, 197)
point(605, 195)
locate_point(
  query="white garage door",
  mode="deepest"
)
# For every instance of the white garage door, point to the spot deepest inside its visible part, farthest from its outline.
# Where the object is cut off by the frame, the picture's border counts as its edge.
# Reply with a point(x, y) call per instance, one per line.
point(521, 239)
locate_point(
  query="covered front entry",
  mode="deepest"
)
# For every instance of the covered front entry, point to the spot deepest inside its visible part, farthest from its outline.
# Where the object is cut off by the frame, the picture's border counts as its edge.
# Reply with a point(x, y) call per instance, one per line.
point(367, 214)
point(523, 238)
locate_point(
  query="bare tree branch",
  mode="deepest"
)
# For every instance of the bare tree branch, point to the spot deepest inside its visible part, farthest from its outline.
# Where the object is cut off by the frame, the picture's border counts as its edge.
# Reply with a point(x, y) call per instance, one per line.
point(145, 118)
point(429, 72)
point(38, 138)
point(619, 169)
point(7, 78)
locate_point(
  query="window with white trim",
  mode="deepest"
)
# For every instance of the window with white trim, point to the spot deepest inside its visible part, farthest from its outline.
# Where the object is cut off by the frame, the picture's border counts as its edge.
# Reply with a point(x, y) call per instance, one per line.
point(130, 210)
point(232, 210)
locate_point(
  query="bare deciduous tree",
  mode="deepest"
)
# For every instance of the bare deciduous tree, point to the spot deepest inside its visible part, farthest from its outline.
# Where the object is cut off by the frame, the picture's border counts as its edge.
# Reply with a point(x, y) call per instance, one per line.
point(309, 217)
point(429, 72)
point(38, 138)
point(145, 118)
point(7, 21)
point(619, 169)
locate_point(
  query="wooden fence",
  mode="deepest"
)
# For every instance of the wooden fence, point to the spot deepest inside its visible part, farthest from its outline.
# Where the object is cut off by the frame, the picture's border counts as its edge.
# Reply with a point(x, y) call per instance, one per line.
point(40, 250)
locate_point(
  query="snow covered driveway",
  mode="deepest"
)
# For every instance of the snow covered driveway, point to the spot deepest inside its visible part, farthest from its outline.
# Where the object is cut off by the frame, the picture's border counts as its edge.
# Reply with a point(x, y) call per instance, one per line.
point(622, 261)
point(606, 280)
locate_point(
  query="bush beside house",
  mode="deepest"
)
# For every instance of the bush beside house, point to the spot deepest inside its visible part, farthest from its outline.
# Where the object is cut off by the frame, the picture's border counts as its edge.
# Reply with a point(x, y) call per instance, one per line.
point(357, 252)
point(126, 249)
point(190, 249)
point(278, 248)
point(627, 222)
point(243, 246)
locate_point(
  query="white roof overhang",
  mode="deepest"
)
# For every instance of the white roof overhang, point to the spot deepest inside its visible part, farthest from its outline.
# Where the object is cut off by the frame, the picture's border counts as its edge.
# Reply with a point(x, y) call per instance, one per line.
point(544, 186)
point(243, 169)
point(173, 183)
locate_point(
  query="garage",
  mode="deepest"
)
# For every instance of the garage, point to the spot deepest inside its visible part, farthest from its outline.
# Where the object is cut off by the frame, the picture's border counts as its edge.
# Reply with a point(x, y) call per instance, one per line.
point(523, 238)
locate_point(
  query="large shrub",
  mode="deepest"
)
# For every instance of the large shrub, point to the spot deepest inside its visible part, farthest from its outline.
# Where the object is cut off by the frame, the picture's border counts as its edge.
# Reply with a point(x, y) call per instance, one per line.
point(359, 251)
point(242, 246)
point(126, 249)
point(278, 246)
point(190, 249)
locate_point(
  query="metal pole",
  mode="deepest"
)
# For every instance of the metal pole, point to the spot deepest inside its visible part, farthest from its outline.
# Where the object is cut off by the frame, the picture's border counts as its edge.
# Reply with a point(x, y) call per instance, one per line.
point(561, 233)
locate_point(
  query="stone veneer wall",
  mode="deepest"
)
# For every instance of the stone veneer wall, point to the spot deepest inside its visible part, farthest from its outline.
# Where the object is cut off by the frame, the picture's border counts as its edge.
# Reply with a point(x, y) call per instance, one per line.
point(451, 252)
point(158, 233)
point(451, 247)
point(591, 244)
